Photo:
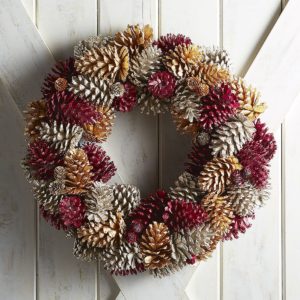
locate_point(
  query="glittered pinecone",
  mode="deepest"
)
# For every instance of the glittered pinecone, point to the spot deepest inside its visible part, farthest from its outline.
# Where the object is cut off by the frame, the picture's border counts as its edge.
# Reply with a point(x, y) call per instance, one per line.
point(124, 260)
point(248, 98)
point(238, 225)
point(99, 131)
point(230, 137)
point(152, 105)
point(156, 246)
point(180, 214)
point(144, 64)
point(102, 167)
point(42, 158)
point(62, 137)
point(162, 84)
point(106, 62)
point(182, 61)
point(216, 56)
point(135, 38)
point(196, 85)
point(58, 80)
point(84, 252)
point(217, 107)
point(71, 210)
point(128, 100)
point(34, 116)
point(98, 202)
point(78, 172)
point(216, 174)
point(125, 198)
point(93, 89)
point(171, 41)
point(219, 212)
point(103, 234)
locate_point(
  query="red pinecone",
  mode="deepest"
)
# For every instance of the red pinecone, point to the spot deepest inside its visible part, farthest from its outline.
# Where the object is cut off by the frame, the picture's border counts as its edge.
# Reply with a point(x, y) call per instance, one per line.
point(103, 167)
point(170, 41)
point(64, 70)
point(67, 108)
point(237, 178)
point(162, 84)
point(265, 138)
point(198, 157)
point(53, 219)
point(127, 101)
point(150, 209)
point(43, 159)
point(180, 214)
point(218, 106)
point(239, 224)
point(71, 210)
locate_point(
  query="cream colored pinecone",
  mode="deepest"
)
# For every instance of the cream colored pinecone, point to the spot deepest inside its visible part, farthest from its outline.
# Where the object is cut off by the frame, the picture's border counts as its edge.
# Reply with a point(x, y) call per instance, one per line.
point(144, 64)
point(230, 137)
point(98, 202)
point(216, 174)
point(84, 252)
point(125, 198)
point(152, 105)
point(62, 137)
point(216, 56)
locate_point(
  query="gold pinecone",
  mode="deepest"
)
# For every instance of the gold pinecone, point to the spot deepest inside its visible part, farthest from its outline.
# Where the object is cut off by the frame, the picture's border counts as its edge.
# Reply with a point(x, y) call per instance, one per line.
point(183, 125)
point(99, 131)
point(78, 175)
point(34, 116)
point(248, 98)
point(103, 234)
point(216, 174)
point(156, 246)
point(135, 38)
point(196, 85)
point(106, 62)
point(183, 60)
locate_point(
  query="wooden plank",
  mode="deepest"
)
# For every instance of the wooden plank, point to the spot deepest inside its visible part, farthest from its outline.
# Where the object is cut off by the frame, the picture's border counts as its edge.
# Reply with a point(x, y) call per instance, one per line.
point(17, 233)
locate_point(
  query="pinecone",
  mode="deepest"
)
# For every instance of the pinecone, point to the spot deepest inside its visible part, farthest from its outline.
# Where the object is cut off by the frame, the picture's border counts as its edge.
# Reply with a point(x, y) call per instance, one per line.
point(102, 167)
point(184, 126)
point(162, 84)
point(67, 108)
point(156, 246)
point(58, 80)
point(95, 90)
point(239, 224)
point(216, 56)
point(106, 62)
point(230, 137)
point(219, 212)
point(168, 270)
point(78, 172)
point(125, 198)
point(62, 137)
point(98, 202)
point(53, 219)
point(202, 138)
point(84, 252)
point(34, 116)
point(196, 85)
point(144, 64)
point(152, 105)
point(171, 41)
point(217, 107)
point(180, 214)
point(100, 131)
point(127, 100)
point(237, 178)
point(103, 234)
point(71, 210)
point(181, 61)
point(42, 159)
point(135, 38)
point(124, 260)
point(216, 174)
point(183, 248)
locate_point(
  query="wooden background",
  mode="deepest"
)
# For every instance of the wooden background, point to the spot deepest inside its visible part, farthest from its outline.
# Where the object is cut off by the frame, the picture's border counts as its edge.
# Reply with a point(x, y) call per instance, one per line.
point(36, 260)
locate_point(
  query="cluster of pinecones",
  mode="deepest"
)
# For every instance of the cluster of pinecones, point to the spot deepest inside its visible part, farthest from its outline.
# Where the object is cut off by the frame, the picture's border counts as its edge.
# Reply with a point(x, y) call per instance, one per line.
point(226, 175)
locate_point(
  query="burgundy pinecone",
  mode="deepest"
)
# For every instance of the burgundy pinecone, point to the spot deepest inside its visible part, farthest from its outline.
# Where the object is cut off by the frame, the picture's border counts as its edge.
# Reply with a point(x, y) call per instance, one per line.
point(67, 108)
point(180, 214)
point(103, 167)
point(63, 70)
point(217, 107)
point(170, 41)
point(71, 210)
point(162, 84)
point(53, 219)
point(43, 159)
point(127, 101)
point(237, 178)
point(198, 157)
point(138, 269)
point(238, 225)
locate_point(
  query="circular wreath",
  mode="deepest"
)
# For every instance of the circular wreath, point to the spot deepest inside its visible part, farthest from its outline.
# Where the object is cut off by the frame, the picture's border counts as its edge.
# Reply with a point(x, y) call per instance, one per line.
point(225, 177)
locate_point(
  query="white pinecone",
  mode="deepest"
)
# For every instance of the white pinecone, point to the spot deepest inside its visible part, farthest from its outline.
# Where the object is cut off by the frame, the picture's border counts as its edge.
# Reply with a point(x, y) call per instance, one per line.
point(84, 252)
point(152, 105)
point(216, 56)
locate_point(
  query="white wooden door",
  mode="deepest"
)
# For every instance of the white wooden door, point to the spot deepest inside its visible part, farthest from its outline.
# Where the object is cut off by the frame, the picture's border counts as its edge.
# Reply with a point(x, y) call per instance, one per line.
point(36, 260)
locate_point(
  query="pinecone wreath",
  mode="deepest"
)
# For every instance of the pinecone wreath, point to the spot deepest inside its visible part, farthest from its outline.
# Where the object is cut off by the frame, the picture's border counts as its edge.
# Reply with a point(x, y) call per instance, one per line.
point(226, 175)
